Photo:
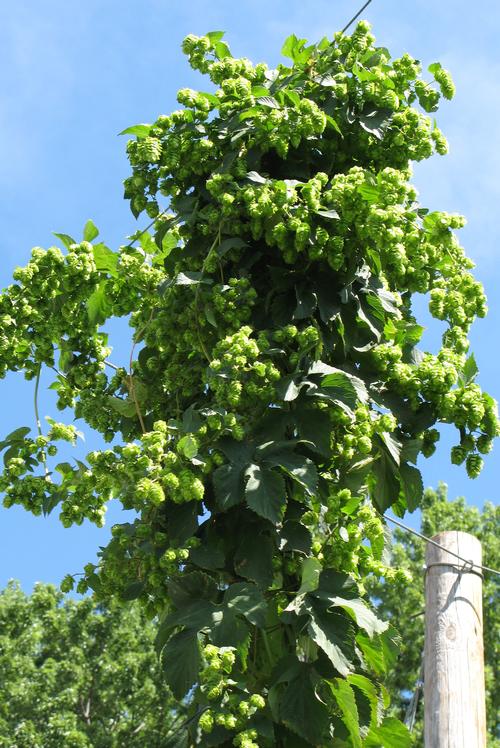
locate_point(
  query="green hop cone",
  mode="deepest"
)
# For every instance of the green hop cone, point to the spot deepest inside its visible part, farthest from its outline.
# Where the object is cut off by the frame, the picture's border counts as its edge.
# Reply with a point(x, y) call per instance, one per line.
point(458, 455)
point(474, 465)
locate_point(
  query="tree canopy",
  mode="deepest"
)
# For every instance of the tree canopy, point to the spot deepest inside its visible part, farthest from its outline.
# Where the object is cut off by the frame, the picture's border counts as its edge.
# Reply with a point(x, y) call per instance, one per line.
point(79, 675)
point(275, 400)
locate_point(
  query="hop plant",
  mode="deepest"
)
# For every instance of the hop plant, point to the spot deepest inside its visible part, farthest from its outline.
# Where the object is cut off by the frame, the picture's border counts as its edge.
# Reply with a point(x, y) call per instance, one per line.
point(275, 402)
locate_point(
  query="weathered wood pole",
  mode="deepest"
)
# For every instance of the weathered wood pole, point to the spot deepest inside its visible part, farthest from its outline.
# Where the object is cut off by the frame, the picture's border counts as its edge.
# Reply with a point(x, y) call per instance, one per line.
point(454, 698)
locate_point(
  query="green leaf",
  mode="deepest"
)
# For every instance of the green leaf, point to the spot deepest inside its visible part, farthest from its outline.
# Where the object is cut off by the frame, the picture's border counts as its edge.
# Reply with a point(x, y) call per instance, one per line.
point(247, 600)
point(249, 113)
point(390, 734)
point(228, 482)
point(306, 303)
point(470, 369)
point(90, 231)
point(222, 50)
point(411, 485)
point(169, 242)
point(300, 468)
point(344, 534)
point(228, 485)
point(333, 123)
point(392, 446)
point(259, 90)
point(207, 556)
point(331, 632)
point(369, 192)
point(191, 419)
point(190, 278)
point(314, 426)
point(385, 491)
point(385, 300)
point(268, 101)
point(133, 591)
point(289, 47)
point(254, 176)
point(188, 446)
point(64, 469)
point(51, 500)
point(254, 559)
point(105, 259)
point(125, 408)
point(344, 696)
point(233, 242)
point(215, 36)
point(301, 709)
point(434, 67)
point(181, 662)
point(66, 239)
point(411, 450)
point(182, 519)
point(311, 570)
point(228, 628)
point(370, 692)
point(361, 613)
point(17, 435)
point(140, 131)
point(210, 316)
point(99, 305)
point(292, 96)
point(287, 390)
point(381, 651)
point(195, 616)
point(295, 49)
point(375, 121)
point(265, 492)
point(295, 537)
point(346, 387)
point(328, 214)
point(148, 244)
point(188, 587)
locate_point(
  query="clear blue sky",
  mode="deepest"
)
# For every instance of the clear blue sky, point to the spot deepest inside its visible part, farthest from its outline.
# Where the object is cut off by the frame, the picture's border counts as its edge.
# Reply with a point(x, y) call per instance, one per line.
point(73, 75)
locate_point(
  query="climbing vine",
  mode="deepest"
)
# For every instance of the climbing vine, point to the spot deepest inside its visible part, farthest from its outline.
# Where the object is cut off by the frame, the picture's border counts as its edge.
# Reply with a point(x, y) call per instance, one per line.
point(275, 401)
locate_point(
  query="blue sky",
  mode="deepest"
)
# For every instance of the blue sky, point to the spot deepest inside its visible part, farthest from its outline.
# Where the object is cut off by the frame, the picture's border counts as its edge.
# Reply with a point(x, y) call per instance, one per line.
point(73, 75)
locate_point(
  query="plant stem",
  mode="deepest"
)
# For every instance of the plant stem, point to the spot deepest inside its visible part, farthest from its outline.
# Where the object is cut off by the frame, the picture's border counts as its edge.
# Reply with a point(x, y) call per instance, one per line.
point(37, 418)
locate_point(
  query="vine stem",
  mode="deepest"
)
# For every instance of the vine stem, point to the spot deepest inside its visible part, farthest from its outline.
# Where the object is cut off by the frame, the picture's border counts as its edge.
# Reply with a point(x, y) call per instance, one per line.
point(267, 647)
point(131, 384)
point(214, 244)
point(187, 721)
point(37, 418)
point(117, 368)
point(141, 233)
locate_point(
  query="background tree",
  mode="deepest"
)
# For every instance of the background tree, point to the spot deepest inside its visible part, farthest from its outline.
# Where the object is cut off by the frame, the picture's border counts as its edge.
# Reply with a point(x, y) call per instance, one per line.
point(79, 675)
point(403, 602)
point(274, 399)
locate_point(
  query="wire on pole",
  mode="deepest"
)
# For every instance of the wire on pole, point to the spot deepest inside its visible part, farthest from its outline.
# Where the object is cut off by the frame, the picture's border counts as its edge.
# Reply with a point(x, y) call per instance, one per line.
point(468, 563)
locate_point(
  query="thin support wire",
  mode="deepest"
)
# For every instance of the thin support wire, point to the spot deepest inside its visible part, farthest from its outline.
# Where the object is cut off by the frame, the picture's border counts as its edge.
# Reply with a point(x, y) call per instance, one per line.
point(356, 16)
point(411, 711)
point(468, 563)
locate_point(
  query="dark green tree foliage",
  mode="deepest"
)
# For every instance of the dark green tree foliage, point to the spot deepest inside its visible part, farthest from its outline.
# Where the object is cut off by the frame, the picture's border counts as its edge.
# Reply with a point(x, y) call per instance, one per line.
point(275, 396)
point(402, 602)
point(75, 675)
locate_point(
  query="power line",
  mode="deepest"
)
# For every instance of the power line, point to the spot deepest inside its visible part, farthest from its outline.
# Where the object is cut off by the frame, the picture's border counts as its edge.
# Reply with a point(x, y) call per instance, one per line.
point(356, 16)
point(467, 562)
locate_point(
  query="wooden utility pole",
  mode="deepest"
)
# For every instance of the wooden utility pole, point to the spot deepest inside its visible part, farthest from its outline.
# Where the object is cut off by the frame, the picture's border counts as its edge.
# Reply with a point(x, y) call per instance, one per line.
point(454, 699)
